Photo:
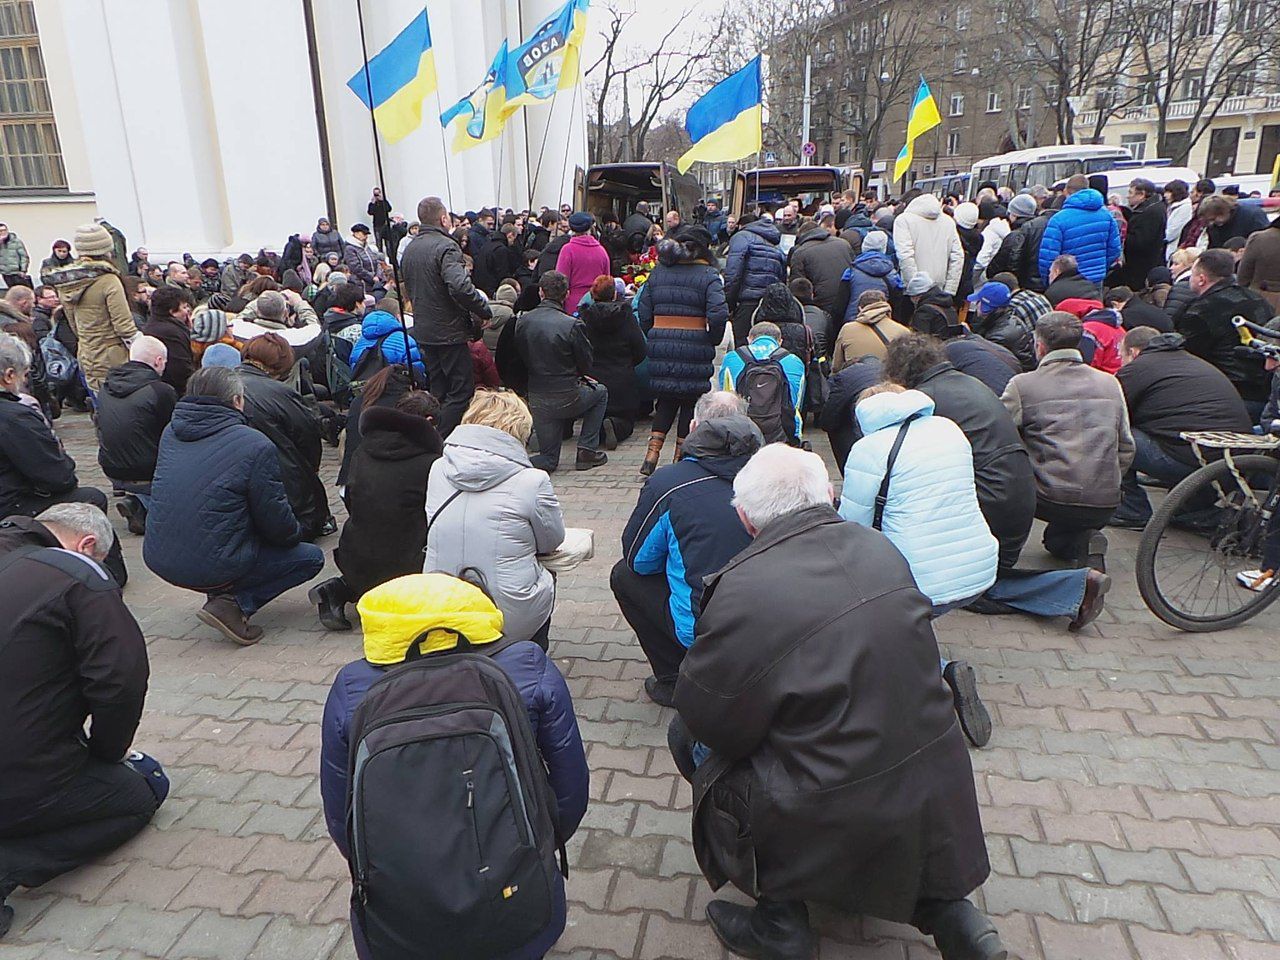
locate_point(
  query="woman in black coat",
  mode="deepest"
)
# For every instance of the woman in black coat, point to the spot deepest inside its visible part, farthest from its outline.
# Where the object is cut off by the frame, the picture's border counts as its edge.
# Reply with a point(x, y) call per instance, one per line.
point(683, 310)
point(618, 347)
point(382, 389)
point(386, 497)
point(277, 410)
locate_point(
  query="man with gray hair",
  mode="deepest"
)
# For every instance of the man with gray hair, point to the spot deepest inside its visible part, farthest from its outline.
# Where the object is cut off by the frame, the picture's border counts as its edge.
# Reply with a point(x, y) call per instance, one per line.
point(35, 470)
point(134, 407)
point(1075, 425)
point(683, 528)
point(832, 765)
point(220, 521)
point(72, 653)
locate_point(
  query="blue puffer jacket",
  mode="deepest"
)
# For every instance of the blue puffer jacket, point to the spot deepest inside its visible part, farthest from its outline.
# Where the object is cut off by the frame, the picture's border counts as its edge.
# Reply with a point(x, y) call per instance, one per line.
point(870, 271)
point(932, 516)
point(1087, 231)
point(681, 361)
point(550, 707)
point(378, 324)
point(754, 261)
point(216, 498)
point(684, 524)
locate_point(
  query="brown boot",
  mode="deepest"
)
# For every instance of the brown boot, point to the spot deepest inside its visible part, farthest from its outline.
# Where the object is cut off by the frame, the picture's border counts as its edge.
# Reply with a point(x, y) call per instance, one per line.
point(679, 447)
point(225, 616)
point(651, 455)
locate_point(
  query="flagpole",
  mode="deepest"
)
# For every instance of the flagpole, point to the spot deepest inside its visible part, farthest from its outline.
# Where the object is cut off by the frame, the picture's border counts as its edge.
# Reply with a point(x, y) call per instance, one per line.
point(444, 152)
point(382, 181)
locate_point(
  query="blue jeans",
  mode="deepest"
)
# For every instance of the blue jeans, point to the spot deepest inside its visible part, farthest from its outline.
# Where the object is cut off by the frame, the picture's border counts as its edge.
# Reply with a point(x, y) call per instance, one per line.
point(278, 569)
point(549, 419)
point(1150, 458)
point(1044, 593)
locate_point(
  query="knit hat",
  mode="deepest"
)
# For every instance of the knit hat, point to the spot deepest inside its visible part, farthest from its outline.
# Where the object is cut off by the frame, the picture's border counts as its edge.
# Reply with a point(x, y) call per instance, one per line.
point(220, 355)
point(875, 240)
point(92, 240)
point(208, 326)
point(506, 294)
point(431, 607)
point(1023, 205)
point(967, 215)
point(918, 284)
point(581, 222)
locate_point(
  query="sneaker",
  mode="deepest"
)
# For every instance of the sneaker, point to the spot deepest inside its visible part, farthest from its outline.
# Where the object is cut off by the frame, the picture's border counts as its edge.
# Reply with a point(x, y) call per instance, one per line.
point(661, 692)
point(975, 721)
point(225, 616)
point(1256, 580)
point(590, 459)
point(1096, 586)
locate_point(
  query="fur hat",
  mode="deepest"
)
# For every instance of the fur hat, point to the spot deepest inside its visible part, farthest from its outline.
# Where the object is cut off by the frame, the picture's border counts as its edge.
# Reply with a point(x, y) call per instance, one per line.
point(208, 326)
point(92, 240)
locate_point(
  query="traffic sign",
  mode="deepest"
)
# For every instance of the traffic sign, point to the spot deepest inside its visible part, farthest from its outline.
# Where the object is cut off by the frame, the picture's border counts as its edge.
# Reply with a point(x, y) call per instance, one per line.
point(810, 149)
point(770, 157)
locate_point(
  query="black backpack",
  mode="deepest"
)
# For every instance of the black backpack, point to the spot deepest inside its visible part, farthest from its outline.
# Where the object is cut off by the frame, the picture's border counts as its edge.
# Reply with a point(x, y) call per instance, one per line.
point(768, 394)
point(450, 815)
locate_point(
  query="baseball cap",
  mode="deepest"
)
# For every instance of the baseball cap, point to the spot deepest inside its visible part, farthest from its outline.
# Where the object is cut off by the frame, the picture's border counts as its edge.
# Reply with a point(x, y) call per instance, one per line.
point(991, 295)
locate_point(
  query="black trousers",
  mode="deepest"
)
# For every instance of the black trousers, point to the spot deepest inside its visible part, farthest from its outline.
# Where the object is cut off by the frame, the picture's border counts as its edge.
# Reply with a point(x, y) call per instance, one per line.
point(452, 381)
point(1068, 528)
point(31, 504)
point(674, 411)
point(644, 602)
point(742, 315)
point(102, 807)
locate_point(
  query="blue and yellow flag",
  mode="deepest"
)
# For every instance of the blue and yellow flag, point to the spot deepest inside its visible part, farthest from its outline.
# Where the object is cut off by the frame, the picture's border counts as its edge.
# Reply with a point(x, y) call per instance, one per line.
point(399, 78)
point(480, 116)
point(726, 123)
point(923, 117)
point(549, 60)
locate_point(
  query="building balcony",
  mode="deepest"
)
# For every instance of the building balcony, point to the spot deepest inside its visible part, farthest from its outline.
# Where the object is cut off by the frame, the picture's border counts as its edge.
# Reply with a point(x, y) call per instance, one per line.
point(1185, 109)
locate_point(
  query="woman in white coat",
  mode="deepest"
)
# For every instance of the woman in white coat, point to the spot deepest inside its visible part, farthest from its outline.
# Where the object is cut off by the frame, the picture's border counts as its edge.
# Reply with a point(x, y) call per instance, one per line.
point(490, 511)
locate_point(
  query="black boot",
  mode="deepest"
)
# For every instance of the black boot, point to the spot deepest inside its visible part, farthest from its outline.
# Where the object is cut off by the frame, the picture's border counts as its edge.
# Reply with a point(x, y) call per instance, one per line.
point(975, 721)
point(134, 513)
point(6, 911)
point(330, 598)
point(772, 930)
point(960, 930)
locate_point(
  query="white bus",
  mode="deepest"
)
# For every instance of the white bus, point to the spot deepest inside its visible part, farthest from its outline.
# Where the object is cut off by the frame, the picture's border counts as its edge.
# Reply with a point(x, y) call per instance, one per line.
point(1044, 165)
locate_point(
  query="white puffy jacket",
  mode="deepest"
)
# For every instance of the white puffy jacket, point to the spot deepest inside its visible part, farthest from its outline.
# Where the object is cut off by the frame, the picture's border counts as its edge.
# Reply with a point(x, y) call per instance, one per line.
point(506, 514)
point(927, 242)
point(932, 515)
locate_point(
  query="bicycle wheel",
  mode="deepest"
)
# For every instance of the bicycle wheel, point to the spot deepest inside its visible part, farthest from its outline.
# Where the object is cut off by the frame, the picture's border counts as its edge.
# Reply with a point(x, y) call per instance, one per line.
point(1187, 575)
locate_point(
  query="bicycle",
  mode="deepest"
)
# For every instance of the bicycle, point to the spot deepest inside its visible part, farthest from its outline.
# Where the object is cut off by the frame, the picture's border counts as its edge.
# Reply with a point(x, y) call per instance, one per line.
point(1215, 524)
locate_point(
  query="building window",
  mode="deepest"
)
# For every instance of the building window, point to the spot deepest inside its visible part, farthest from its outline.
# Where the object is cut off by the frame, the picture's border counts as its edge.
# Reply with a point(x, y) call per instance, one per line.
point(1245, 84)
point(1024, 96)
point(1201, 17)
point(962, 60)
point(844, 152)
point(993, 101)
point(1136, 144)
point(962, 18)
point(953, 143)
point(1052, 93)
point(957, 105)
point(30, 154)
point(1247, 14)
point(1193, 85)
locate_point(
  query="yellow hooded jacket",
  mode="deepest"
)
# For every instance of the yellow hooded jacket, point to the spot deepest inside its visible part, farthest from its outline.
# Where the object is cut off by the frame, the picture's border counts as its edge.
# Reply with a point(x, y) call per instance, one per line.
point(435, 604)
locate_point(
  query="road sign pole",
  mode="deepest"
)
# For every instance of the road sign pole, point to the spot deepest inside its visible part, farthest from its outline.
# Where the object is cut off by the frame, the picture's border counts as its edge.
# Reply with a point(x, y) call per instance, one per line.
point(808, 99)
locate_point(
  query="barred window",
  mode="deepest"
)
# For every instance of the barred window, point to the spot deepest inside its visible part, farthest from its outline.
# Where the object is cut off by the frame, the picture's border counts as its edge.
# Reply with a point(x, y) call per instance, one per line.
point(30, 154)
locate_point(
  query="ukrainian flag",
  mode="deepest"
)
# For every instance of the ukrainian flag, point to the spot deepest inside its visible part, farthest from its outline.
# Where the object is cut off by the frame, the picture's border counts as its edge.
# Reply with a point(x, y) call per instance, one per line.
point(549, 60)
point(480, 116)
point(725, 124)
point(398, 79)
point(923, 117)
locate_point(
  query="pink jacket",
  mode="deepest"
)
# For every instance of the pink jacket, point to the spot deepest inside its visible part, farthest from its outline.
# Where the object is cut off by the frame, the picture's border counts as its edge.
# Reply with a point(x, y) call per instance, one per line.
point(582, 259)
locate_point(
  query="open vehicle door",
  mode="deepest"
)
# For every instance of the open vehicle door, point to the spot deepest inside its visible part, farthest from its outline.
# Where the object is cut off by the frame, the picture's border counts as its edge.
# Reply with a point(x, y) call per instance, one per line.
point(579, 188)
point(738, 194)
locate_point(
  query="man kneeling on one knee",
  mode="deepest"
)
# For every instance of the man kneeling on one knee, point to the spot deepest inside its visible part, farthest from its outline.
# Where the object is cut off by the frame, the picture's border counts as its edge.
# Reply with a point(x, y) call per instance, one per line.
point(72, 652)
point(826, 760)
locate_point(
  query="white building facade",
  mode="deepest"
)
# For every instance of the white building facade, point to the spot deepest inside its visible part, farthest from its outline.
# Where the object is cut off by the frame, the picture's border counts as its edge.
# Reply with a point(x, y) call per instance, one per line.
point(218, 127)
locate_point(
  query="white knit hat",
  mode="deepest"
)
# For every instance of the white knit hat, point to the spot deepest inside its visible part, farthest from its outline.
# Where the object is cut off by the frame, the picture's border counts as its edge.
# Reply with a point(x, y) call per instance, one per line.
point(92, 240)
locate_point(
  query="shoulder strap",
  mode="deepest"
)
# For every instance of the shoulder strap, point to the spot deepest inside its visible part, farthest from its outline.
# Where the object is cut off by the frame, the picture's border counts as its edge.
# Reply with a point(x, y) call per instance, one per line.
point(882, 498)
point(780, 353)
point(431, 520)
point(60, 560)
point(747, 356)
point(875, 328)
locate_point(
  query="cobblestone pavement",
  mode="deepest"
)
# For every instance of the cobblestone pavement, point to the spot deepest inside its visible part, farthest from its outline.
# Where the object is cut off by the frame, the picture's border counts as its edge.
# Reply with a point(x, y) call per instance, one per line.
point(1130, 794)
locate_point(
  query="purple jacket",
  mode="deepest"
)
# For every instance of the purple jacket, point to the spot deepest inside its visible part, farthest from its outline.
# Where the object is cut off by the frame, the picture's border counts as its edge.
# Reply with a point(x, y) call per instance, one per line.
point(582, 260)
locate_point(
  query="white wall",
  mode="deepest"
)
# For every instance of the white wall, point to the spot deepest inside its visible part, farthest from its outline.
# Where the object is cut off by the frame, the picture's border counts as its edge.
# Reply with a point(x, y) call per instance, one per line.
point(190, 124)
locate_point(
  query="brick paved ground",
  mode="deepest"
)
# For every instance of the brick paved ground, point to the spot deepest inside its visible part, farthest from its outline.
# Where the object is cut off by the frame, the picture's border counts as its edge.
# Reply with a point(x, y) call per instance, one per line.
point(1131, 791)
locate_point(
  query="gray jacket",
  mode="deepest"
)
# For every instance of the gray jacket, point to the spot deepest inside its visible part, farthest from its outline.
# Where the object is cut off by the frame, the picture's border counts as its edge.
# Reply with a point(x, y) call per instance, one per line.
point(436, 283)
point(1075, 425)
point(506, 514)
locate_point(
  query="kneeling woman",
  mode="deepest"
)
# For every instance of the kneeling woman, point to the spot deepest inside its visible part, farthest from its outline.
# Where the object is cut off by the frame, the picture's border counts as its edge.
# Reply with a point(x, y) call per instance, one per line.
point(489, 510)
point(430, 611)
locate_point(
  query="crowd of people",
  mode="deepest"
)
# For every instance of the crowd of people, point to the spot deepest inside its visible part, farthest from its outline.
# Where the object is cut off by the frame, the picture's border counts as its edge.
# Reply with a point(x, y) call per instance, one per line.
point(976, 365)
